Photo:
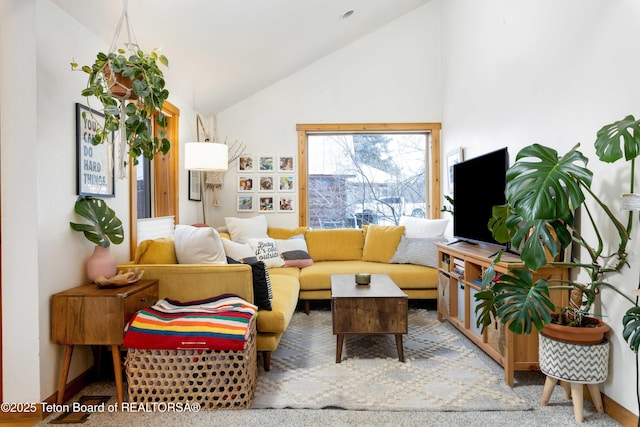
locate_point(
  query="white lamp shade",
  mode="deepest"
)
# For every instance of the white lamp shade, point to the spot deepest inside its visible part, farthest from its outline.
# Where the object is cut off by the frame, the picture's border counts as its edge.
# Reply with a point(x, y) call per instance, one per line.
point(206, 156)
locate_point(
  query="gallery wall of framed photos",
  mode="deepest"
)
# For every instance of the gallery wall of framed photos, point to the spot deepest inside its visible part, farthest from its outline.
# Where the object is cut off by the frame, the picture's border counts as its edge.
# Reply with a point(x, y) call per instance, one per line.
point(266, 183)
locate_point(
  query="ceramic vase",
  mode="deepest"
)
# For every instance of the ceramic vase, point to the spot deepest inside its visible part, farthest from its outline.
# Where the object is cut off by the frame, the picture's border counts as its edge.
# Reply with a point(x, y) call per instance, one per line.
point(101, 263)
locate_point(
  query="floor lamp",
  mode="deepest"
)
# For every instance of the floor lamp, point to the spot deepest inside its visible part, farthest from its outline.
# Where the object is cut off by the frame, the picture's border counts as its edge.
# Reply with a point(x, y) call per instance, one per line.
point(205, 157)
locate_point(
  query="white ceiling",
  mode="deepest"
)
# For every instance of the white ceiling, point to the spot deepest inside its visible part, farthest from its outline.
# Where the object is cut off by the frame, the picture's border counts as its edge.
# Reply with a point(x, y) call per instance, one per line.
point(231, 49)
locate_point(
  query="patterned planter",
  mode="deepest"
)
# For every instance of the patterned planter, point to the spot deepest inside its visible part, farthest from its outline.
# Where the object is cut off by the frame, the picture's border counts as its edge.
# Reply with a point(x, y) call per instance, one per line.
point(578, 363)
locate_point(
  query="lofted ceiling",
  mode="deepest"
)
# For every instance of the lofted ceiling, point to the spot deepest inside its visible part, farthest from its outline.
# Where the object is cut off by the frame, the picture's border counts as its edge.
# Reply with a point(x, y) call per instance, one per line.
point(231, 49)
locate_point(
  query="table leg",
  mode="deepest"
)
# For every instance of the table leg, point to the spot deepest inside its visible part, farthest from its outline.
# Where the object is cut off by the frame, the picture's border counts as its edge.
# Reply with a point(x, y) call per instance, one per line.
point(576, 397)
point(339, 348)
point(400, 348)
point(64, 372)
point(117, 371)
point(549, 385)
point(594, 391)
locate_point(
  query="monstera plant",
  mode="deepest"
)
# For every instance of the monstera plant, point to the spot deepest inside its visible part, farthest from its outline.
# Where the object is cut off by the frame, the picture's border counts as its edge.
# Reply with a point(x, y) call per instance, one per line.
point(543, 192)
point(104, 228)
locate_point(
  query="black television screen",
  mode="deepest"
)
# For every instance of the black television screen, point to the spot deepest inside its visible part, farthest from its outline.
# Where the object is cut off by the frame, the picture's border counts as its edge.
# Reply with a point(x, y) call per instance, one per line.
point(478, 185)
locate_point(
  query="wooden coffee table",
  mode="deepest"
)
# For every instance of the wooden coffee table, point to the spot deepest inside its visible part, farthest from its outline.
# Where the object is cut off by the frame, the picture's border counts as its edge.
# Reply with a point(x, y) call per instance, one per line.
point(378, 308)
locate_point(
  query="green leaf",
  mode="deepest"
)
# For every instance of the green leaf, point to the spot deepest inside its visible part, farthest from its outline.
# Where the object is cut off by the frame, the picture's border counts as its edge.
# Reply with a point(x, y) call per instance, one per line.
point(609, 137)
point(522, 303)
point(631, 332)
point(164, 61)
point(548, 187)
point(105, 226)
point(499, 225)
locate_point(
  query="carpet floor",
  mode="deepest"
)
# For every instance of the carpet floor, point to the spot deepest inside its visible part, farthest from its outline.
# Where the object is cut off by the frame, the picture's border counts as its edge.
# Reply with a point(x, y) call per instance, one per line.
point(526, 392)
point(439, 372)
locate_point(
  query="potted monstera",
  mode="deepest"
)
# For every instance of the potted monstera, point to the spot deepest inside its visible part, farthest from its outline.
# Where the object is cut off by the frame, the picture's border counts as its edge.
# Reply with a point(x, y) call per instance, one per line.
point(104, 228)
point(543, 192)
point(131, 88)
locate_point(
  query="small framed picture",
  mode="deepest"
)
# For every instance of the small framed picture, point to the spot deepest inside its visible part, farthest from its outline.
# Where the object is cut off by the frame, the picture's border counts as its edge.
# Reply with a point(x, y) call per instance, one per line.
point(453, 157)
point(94, 163)
point(266, 183)
point(244, 203)
point(286, 183)
point(286, 203)
point(286, 163)
point(266, 204)
point(245, 183)
point(245, 163)
point(194, 186)
point(266, 163)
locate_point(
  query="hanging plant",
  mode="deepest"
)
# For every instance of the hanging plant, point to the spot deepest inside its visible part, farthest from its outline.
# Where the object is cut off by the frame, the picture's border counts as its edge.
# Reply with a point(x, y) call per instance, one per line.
point(130, 85)
point(133, 109)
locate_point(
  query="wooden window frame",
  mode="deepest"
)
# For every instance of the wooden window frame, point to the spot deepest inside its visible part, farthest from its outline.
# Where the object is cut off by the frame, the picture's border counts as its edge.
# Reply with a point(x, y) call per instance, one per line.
point(433, 129)
point(165, 174)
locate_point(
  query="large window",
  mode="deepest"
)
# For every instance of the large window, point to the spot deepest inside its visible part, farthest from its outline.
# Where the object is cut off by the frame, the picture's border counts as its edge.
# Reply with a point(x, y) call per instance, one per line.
point(354, 175)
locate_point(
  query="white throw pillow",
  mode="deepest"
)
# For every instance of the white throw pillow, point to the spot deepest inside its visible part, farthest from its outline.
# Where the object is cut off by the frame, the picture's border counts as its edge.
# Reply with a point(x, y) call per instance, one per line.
point(239, 251)
point(417, 251)
point(198, 245)
point(421, 227)
point(266, 251)
point(242, 229)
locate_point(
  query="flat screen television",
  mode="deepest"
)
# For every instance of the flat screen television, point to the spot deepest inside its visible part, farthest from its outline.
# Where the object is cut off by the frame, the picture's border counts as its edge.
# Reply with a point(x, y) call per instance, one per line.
point(478, 185)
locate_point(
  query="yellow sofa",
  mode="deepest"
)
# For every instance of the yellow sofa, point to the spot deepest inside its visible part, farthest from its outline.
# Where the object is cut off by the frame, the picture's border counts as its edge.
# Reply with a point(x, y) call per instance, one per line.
point(336, 251)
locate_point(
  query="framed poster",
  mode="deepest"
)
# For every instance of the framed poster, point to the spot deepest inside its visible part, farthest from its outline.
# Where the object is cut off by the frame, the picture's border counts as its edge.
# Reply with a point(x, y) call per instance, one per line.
point(244, 203)
point(266, 204)
point(195, 192)
point(454, 157)
point(266, 163)
point(286, 203)
point(95, 164)
point(286, 183)
point(245, 183)
point(286, 163)
point(245, 163)
point(266, 183)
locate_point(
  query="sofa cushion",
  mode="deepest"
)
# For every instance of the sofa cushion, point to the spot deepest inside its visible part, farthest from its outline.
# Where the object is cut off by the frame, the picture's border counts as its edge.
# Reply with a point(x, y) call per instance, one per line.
point(239, 251)
point(406, 276)
point(338, 244)
point(294, 251)
point(381, 242)
point(262, 291)
point(423, 227)
point(285, 233)
point(417, 251)
point(266, 251)
point(157, 251)
point(285, 299)
point(242, 229)
point(198, 245)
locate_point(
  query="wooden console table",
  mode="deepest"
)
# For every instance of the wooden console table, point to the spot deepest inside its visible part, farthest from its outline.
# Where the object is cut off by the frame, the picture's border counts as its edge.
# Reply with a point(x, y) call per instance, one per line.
point(461, 266)
point(88, 315)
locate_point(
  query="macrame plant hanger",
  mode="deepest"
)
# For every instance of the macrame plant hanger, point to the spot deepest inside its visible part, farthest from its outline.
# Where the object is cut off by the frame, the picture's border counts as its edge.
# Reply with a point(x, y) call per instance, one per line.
point(132, 46)
point(213, 179)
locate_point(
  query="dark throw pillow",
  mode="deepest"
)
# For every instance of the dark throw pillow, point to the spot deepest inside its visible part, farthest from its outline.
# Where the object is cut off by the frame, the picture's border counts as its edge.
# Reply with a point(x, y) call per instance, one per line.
point(262, 292)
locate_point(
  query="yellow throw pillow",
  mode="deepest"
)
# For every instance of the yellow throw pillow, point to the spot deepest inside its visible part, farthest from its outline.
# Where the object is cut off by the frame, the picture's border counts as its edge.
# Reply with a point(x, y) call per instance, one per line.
point(285, 233)
point(381, 242)
point(337, 244)
point(158, 251)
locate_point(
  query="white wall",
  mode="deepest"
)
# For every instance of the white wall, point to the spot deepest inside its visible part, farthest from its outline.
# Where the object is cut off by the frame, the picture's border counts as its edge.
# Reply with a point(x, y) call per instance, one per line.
point(19, 157)
point(390, 75)
point(41, 254)
point(549, 72)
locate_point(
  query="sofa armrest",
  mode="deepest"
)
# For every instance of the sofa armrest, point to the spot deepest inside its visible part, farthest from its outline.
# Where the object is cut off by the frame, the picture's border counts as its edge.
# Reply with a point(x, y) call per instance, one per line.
point(189, 282)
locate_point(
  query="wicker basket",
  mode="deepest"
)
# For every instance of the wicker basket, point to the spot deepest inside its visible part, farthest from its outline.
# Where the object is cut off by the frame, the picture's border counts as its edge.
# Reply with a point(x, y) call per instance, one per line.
point(215, 379)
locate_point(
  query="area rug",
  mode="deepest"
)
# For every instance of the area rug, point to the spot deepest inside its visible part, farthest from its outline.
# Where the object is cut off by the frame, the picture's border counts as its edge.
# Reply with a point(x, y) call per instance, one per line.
point(440, 373)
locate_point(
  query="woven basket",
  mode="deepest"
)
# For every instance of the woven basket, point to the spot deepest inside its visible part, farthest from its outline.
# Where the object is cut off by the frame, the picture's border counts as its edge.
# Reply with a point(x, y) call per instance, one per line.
point(215, 379)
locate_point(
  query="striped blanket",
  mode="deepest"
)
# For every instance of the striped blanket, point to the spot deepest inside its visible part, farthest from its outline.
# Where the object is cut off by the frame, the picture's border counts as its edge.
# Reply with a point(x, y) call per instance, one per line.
point(219, 323)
